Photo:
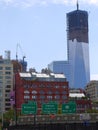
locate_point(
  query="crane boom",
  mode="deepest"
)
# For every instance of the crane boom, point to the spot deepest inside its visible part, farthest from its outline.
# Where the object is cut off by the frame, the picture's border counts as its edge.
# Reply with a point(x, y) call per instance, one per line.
point(23, 56)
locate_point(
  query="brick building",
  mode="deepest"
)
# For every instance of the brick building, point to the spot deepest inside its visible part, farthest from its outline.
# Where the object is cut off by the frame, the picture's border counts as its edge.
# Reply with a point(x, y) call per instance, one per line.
point(83, 103)
point(40, 87)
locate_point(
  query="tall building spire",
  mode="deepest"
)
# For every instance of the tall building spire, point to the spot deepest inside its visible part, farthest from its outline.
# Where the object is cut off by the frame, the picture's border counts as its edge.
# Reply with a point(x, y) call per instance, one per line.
point(77, 5)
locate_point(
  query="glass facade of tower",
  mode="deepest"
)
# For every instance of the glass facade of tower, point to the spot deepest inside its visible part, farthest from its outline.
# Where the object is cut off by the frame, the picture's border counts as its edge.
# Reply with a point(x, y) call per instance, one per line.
point(79, 64)
point(60, 67)
point(78, 48)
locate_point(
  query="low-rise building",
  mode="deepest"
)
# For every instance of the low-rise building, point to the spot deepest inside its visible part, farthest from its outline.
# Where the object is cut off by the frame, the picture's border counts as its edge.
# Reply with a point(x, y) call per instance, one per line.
point(83, 103)
point(41, 88)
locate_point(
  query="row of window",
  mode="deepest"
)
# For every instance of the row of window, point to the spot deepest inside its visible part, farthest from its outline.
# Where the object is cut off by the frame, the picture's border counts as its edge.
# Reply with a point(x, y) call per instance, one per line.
point(46, 101)
point(7, 103)
point(7, 86)
point(43, 92)
point(6, 77)
point(7, 91)
point(46, 97)
point(7, 82)
point(53, 79)
point(6, 68)
point(44, 86)
point(6, 73)
point(83, 106)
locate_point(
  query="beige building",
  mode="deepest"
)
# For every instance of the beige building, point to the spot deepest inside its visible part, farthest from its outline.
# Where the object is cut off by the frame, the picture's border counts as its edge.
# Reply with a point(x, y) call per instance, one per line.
point(92, 90)
point(6, 82)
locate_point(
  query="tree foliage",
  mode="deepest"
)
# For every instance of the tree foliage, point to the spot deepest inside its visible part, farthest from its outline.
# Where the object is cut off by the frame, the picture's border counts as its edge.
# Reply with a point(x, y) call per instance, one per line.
point(9, 115)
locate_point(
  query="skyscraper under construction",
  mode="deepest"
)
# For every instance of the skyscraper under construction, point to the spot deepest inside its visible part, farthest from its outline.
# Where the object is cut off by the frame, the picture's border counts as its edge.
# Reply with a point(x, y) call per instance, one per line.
point(77, 68)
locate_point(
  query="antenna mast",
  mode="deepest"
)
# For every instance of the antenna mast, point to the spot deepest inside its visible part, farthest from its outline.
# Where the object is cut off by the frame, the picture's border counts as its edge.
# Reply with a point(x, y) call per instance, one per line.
point(77, 5)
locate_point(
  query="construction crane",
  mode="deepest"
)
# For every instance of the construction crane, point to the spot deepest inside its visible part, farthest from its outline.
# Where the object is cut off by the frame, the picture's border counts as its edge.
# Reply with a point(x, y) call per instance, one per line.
point(18, 46)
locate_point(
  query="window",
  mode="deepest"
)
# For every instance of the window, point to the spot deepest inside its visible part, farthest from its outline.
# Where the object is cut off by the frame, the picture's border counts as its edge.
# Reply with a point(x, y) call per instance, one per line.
point(1, 72)
point(7, 95)
point(49, 97)
point(34, 92)
point(7, 77)
point(41, 92)
point(48, 86)
point(8, 68)
point(1, 68)
point(49, 92)
point(26, 97)
point(26, 86)
point(64, 92)
point(56, 92)
point(7, 109)
point(34, 97)
point(1, 84)
point(7, 72)
point(64, 86)
point(41, 86)
point(7, 91)
point(1, 61)
point(7, 100)
point(26, 92)
point(42, 97)
point(64, 97)
point(8, 81)
point(57, 97)
point(8, 86)
point(34, 86)
point(56, 86)
point(7, 104)
point(0, 93)
point(1, 77)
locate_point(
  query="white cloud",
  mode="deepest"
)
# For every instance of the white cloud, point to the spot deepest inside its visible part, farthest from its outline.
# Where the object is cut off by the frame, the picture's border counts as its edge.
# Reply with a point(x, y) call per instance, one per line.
point(30, 3)
point(7, 1)
point(93, 1)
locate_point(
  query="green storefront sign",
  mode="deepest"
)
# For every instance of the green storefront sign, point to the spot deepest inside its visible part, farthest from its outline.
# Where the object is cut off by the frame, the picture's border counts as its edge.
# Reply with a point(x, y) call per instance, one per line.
point(69, 107)
point(29, 108)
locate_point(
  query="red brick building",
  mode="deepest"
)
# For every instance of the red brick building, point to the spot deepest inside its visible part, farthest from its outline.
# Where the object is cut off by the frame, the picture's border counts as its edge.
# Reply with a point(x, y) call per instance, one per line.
point(82, 102)
point(83, 105)
point(40, 87)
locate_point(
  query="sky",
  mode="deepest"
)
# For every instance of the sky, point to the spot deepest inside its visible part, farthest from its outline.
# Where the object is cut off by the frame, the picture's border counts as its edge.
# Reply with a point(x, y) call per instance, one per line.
point(39, 28)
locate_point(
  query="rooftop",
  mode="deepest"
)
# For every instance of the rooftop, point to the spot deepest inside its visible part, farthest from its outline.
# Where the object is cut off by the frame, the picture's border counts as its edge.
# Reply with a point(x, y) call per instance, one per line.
point(78, 95)
point(43, 76)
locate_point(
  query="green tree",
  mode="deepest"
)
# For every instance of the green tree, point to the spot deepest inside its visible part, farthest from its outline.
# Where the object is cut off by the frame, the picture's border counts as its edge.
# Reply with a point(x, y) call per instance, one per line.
point(9, 115)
